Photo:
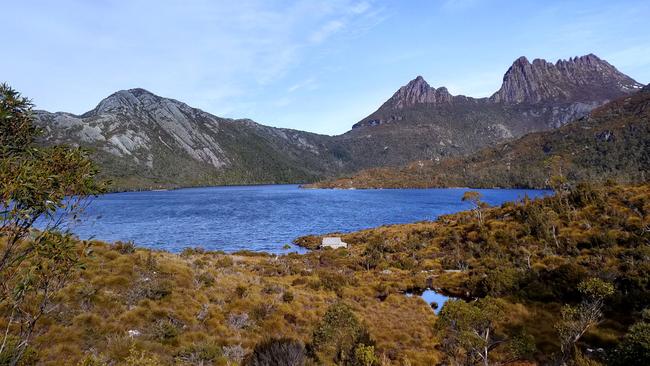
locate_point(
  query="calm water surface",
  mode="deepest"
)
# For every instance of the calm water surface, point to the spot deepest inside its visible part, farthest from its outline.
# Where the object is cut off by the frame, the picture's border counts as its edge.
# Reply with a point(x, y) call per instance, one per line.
point(432, 297)
point(262, 218)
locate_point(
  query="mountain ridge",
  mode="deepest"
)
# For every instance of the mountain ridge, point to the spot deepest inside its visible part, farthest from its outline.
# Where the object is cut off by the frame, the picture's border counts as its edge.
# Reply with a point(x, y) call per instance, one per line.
point(145, 141)
point(612, 142)
point(148, 141)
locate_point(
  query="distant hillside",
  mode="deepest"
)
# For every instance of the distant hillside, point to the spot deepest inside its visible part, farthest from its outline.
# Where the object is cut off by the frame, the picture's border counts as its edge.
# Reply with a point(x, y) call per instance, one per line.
point(144, 141)
point(613, 142)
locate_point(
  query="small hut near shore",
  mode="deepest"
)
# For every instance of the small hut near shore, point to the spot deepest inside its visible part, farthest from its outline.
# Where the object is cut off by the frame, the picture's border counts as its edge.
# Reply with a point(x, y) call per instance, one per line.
point(333, 242)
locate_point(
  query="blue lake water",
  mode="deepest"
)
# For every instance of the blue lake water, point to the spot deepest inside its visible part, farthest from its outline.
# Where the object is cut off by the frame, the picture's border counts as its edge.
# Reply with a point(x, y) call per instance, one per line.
point(262, 218)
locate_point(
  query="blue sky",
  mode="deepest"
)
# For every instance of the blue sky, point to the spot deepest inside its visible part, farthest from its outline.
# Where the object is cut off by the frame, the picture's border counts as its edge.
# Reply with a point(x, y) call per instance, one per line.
point(318, 66)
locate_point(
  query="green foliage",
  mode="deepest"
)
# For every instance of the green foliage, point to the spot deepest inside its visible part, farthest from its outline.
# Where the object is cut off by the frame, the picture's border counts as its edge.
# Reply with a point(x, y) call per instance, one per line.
point(635, 346)
point(576, 320)
point(339, 334)
point(468, 329)
point(475, 198)
point(334, 281)
point(499, 281)
point(200, 353)
point(365, 356)
point(522, 346)
point(595, 289)
point(166, 329)
point(141, 358)
point(46, 184)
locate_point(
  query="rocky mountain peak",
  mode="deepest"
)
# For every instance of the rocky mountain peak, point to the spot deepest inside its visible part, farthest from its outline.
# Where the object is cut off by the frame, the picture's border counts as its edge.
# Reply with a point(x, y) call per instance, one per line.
point(133, 100)
point(418, 91)
point(123, 100)
point(578, 79)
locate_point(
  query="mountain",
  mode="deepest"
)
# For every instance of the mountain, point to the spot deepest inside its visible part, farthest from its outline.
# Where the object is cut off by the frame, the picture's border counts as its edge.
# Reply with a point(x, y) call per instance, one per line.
point(142, 140)
point(145, 141)
point(420, 122)
point(581, 79)
point(612, 142)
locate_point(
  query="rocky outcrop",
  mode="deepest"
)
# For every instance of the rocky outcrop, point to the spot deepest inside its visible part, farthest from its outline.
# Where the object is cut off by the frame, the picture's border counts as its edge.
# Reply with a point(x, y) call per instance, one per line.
point(418, 91)
point(580, 79)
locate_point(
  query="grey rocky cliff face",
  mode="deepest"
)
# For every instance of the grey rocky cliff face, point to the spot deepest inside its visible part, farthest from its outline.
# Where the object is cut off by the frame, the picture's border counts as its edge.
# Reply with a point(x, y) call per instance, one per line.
point(130, 122)
point(418, 91)
point(135, 132)
point(555, 93)
point(579, 79)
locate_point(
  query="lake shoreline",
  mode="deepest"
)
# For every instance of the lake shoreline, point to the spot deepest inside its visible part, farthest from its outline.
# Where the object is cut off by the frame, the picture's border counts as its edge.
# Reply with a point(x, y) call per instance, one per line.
point(263, 217)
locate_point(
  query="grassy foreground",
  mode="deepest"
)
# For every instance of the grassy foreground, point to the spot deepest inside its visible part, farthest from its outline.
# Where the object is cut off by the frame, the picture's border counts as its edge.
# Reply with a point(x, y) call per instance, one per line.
point(133, 306)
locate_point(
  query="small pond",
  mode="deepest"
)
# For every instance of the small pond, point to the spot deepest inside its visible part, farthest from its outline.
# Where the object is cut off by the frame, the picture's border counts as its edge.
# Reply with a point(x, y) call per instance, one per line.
point(435, 299)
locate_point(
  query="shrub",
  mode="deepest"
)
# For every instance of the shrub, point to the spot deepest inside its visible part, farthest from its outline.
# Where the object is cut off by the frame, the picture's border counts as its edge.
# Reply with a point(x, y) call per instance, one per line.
point(241, 291)
point(287, 296)
point(141, 358)
point(224, 262)
point(262, 310)
point(280, 352)
point(365, 356)
point(123, 247)
point(635, 347)
point(187, 252)
point(200, 353)
point(10, 351)
point(158, 289)
point(238, 321)
point(334, 281)
point(234, 353)
point(206, 278)
point(166, 329)
point(272, 289)
point(497, 282)
point(339, 333)
point(468, 329)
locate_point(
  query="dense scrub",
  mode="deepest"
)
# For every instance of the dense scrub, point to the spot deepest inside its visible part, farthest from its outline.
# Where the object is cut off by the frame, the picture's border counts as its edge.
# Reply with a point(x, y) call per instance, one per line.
point(132, 306)
point(533, 253)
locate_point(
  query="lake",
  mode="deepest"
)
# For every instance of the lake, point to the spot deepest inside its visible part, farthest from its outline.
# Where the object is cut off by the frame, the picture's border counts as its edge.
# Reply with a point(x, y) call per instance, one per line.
point(262, 218)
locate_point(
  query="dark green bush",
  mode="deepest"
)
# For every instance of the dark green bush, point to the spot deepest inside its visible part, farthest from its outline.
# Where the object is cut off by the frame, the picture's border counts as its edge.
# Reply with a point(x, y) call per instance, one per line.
point(277, 352)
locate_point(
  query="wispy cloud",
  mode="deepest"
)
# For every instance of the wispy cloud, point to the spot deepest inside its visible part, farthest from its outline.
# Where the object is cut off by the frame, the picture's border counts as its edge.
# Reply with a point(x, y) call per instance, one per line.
point(457, 5)
point(326, 30)
point(216, 54)
point(303, 84)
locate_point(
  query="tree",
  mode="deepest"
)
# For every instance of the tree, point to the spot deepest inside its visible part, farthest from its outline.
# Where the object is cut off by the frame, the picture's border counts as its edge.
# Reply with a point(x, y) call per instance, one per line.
point(340, 334)
point(576, 320)
point(474, 198)
point(635, 346)
point(39, 187)
point(468, 330)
